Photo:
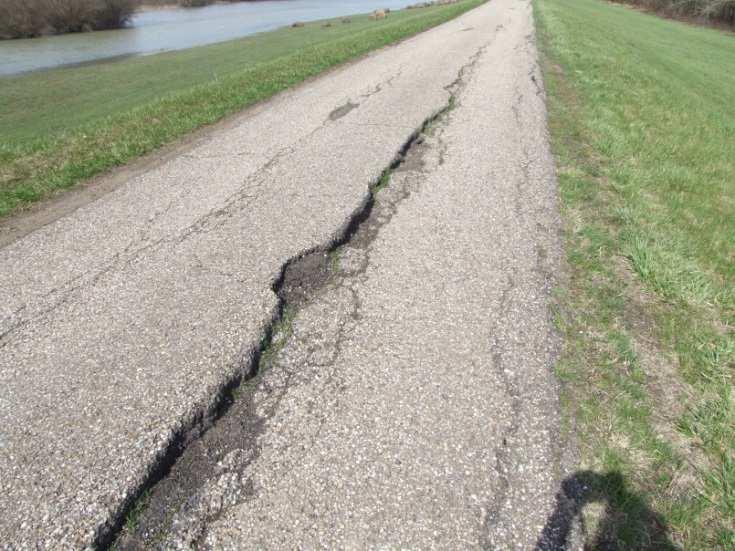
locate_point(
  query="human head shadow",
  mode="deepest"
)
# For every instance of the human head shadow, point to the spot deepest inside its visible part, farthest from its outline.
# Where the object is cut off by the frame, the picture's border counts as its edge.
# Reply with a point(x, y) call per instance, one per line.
point(627, 517)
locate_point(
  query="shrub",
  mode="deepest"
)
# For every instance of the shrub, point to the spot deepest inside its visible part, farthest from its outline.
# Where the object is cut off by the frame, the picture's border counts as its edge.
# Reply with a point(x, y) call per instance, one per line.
point(194, 3)
point(722, 10)
point(111, 14)
point(65, 16)
point(22, 18)
point(29, 18)
point(716, 11)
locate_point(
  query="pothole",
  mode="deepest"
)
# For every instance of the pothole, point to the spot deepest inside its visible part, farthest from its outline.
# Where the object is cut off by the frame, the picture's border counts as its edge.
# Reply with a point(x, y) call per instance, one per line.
point(304, 276)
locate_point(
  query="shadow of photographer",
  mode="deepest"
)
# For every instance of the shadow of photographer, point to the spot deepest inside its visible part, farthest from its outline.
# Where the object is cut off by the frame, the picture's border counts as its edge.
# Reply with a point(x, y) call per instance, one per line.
point(627, 518)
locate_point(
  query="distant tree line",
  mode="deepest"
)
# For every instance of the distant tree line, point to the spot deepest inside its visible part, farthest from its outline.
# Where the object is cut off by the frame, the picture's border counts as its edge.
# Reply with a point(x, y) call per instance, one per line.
point(715, 11)
point(183, 3)
point(187, 3)
point(29, 18)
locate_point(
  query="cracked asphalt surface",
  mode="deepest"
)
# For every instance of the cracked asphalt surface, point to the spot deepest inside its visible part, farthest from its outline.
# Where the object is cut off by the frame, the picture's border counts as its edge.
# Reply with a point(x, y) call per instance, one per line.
point(412, 405)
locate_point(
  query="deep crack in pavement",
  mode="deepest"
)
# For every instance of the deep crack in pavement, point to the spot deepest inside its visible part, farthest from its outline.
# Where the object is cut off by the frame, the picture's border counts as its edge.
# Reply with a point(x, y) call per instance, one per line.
point(309, 475)
point(217, 451)
point(258, 352)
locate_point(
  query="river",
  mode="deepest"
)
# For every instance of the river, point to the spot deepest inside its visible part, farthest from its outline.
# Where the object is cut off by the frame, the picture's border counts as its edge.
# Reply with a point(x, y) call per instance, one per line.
point(160, 30)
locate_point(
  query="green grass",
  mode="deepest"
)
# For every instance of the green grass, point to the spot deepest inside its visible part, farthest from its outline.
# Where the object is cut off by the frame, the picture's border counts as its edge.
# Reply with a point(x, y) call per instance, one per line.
point(63, 126)
point(132, 519)
point(642, 120)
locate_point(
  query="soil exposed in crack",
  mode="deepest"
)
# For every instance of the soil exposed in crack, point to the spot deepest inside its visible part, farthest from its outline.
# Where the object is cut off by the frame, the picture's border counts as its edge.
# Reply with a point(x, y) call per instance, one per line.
point(204, 454)
point(305, 276)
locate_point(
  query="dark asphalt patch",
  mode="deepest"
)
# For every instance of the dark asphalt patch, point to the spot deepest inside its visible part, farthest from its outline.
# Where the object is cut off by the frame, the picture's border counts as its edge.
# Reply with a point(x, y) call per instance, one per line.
point(342, 110)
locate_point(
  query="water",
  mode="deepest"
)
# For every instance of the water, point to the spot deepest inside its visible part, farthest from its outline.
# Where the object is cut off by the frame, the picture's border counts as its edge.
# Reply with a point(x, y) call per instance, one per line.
point(175, 29)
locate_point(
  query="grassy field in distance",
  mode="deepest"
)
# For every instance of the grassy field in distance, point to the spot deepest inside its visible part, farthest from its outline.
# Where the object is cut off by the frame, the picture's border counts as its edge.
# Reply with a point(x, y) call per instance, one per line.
point(642, 120)
point(62, 126)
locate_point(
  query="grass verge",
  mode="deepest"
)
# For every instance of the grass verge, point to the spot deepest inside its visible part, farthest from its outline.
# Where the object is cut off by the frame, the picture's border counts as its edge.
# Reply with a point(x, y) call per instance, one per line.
point(642, 119)
point(63, 126)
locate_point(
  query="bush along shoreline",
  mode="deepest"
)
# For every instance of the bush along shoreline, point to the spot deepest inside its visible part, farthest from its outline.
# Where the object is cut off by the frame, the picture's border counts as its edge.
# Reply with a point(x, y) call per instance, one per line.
point(31, 18)
point(34, 18)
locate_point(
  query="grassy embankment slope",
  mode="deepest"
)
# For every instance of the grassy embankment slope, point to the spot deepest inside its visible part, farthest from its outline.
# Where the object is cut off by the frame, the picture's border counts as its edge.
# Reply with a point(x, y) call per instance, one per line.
point(642, 118)
point(60, 127)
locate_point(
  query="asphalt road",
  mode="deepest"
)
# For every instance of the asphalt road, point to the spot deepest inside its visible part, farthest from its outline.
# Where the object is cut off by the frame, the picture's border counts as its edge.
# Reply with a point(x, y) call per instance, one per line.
point(413, 403)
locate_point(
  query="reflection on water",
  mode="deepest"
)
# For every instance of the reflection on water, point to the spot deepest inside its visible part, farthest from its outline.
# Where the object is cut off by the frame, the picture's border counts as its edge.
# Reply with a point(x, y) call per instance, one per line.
point(175, 29)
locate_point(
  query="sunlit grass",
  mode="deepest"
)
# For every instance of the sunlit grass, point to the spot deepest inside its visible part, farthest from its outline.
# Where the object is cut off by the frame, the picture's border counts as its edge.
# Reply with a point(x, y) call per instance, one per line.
point(642, 117)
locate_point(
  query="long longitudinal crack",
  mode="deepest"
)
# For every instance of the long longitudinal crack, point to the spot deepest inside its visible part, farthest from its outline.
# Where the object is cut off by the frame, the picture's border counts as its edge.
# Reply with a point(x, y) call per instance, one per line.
point(231, 427)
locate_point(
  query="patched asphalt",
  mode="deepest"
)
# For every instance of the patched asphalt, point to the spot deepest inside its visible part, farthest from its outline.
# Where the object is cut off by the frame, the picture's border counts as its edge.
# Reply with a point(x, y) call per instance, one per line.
point(413, 403)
